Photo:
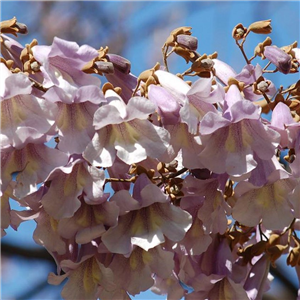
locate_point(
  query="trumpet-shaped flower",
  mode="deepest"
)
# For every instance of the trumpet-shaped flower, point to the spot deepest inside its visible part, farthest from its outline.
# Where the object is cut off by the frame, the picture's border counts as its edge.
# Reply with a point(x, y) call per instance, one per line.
point(231, 140)
point(68, 183)
point(268, 203)
point(125, 131)
point(24, 117)
point(145, 219)
point(135, 272)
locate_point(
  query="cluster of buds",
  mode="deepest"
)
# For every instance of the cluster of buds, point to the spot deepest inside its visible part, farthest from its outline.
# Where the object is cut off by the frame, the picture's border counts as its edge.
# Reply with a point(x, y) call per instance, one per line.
point(272, 247)
point(240, 32)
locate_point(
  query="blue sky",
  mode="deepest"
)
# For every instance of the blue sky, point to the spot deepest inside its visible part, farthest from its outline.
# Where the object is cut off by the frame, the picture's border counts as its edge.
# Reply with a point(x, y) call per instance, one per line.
point(212, 23)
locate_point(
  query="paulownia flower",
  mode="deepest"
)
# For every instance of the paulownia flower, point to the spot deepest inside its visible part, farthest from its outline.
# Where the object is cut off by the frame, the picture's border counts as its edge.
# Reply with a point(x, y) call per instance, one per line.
point(31, 165)
point(195, 101)
point(167, 107)
point(216, 287)
point(134, 273)
point(279, 58)
point(89, 221)
point(85, 276)
point(268, 203)
point(249, 74)
point(62, 62)
point(68, 183)
point(24, 117)
point(77, 94)
point(125, 131)
point(257, 282)
point(230, 140)
point(145, 218)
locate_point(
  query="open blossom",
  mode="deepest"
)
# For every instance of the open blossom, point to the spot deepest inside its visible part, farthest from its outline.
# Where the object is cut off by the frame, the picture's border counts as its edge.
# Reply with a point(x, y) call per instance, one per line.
point(268, 203)
point(125, 131)
point(89, 221)
point(24, 117)
point(85, 276)
point(68, 183)
point(136, 272)
point(248, 75)
point(31, 165)
point(195, 101)
point(77, 95)
point(62, 62)
point(231, 140)
point(145, 218)
point(165, 182)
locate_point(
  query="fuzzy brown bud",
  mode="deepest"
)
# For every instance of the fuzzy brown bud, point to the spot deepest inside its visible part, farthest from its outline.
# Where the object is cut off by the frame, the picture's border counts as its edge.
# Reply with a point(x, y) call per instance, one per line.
point(261, 27)
point(293, 258)
point(239, 32)
point(13, 27)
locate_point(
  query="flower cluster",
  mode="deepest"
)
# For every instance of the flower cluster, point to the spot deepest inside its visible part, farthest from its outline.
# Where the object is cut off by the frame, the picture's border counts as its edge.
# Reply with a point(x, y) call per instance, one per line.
point(154, 181)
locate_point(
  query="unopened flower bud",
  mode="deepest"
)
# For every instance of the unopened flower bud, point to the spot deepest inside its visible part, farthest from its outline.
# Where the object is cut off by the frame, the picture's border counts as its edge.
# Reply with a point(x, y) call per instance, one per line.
point(188, 41)
point(293, 258)
point(13, 27)
point(172, 166)
point(279, 58)
point(22, 28)
point(105, 67)
point(120, 63)
point(259, 49)
point(261, 27)
point(239, 32)
point(183, 52)
point(207, 63)
point(276, 251)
